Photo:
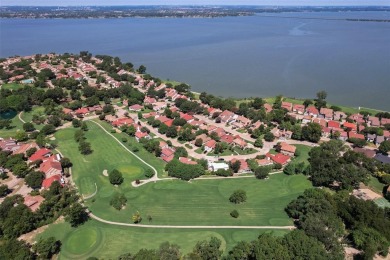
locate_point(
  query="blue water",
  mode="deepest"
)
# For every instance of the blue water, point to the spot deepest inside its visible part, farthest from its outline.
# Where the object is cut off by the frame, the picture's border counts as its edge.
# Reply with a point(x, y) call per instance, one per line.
point(233, 56)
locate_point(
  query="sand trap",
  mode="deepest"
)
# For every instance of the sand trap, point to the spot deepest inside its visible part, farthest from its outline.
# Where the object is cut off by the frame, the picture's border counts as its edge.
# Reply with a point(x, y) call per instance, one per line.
point(105, 173)
point(52, 138)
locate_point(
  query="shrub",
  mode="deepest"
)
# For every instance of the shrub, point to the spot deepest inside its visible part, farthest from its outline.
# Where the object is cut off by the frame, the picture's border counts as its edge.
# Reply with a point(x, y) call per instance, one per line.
point(224, 173)
point(115, 177)
point(149, 173)
point(234, 214)
point(135, 149)
point(118, 201)
point(262, 172)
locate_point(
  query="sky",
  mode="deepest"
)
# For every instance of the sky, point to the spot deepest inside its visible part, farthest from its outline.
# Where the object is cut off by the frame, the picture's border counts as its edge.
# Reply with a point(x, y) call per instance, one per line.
point(195, 2)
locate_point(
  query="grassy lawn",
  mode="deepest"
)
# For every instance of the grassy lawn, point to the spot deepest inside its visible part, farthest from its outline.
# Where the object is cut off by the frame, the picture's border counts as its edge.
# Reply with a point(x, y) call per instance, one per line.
point(375, 185)
point(108, 242)
point(15, 126)
point(169, 202)
point(12, 86)
point(304, 153)
point(244, 151)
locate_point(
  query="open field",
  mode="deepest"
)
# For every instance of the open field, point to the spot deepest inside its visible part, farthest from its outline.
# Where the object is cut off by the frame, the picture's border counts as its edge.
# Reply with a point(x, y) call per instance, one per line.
point(303, 153)
point(108, 242)
point(12, 86)
point(15, 126)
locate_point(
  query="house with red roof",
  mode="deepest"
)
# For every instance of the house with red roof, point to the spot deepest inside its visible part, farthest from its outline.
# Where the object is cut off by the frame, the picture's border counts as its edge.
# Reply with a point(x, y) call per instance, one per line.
point(320, 121)
point(51, 167)
point(67, 111)
point(287, 149)
point(374, 121)
point(136, 107)
point(244, 167)
point(355, 135)
point(312, 111)
point(279, 158)
point(41, 154)
point(82, 111)
point(264, 162)
point(299, 109)
point(287, 105)
point(350, 126)
point(24, 147)
point(227, 138)
point(167, 154)
point(49, 181)
point(238, 141)
point(186, 117)
point(327, 113)
point(333, 124)
point(227, 116)
point(123, 121)
point(210, 145)
point(268, 107)
point(33, 202)
point(187, 161)
point(139, 135)
point(9, 145)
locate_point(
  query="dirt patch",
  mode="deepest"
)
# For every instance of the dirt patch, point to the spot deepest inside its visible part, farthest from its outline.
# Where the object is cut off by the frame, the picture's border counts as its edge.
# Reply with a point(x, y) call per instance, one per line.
point(366, 194)
point(105, 173)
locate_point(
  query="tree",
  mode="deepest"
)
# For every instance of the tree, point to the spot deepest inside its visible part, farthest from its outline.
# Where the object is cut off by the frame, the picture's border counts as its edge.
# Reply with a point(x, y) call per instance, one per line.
point(20, 170)
point(85, 148)
point(4, 190)
point(307, 102)
point(15, 249)
point(115, 177)
point(262, 172)
point(258, 103)
point(269, 137)
point(34, 179)
point(259, 143)
point(21, 136)
point(238, 196)
point(198, 142)
point(207, 250)
point(76, 214)
point(48, 247)
point(321, 95)
point(41, 140)
point(28, 127)
point(312, 132)
point(289, 169)
point(31, 151)
point(384, 147)
point(234, 214)
point(48, 129)
point(84, 126)
point(136, 217)
point(118, 201)
point(141, 69)
point(65, 162)
point(235, 166)
point(76, 123)
point(171, 132)
point(357, 142)
point(169, 251)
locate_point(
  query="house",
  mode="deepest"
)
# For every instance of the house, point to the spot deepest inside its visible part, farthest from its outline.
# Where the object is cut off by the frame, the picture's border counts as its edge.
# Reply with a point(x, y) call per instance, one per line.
point(217, 166)
point(358, 118)
point(159, 106)
point(187, 161)
point(312, 111)
point(186, 117)
point(338, 115)
point(49, 181)
point(306, 119)
point(299, 109)
point(350, 126)
point(240, 142)
point(163, 145)
point(227, 138)
point(268, 107)
point(82, 111)
point(382, 158)
point(244, 167)
point(210, 145)
point(287, 105)
point(227, 116)
point(287, 149)
point(41, 154)
point(139, 135)
point(371, 137)
point(51, 167)
point(379, 140)
point(374, 121)
point(333, 124)
point(343, 135)
point(123, 121)
point(279, 158)
point(367, 152)
point(245, 121)
point(320, 121)
point(24, 147)
point(264, 162)
point(167, 154)
point(67, 111)
point(355, 135)
point(136, 107)
point(33, 202)
point(327, 113)
point(9, 145)
point(326, 131)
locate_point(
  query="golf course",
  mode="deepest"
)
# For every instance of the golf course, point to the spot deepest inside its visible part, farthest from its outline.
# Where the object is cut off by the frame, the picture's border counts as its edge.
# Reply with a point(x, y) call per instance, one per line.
point(165, 202)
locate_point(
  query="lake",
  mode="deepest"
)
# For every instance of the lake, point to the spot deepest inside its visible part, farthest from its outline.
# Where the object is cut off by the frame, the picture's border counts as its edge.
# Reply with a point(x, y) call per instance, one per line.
point(233, 56)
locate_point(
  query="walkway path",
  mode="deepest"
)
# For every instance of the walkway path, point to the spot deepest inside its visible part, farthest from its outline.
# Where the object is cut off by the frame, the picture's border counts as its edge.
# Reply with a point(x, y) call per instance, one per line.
point(20, 117)
point(187, 227)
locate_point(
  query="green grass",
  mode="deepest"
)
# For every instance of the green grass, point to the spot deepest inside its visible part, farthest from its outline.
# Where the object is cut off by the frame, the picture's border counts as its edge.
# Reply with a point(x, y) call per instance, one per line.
point(382, 202)
point(15, 126)
point(304, 153)
point(244, 151)
point(108, 242)
point(375, 185)
point(12, 86)
point(169, 202)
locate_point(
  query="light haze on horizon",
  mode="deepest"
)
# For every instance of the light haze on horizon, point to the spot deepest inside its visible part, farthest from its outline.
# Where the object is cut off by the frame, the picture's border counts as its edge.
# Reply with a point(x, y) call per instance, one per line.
point(196, 2)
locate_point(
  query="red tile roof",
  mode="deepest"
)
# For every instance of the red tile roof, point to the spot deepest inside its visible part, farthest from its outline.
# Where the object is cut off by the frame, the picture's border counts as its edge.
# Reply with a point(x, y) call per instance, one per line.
point(49, 181)
point(40, 154)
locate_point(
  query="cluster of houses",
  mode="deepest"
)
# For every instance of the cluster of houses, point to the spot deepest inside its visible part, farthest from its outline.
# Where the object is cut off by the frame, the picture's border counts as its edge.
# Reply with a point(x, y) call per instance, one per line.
point(50, 166)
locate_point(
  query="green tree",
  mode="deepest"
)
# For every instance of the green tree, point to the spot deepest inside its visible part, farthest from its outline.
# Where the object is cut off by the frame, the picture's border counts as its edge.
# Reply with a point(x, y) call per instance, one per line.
point(65, 162)
point(259, 142)
point(76, 214)
point(262, 172)
point(141, 69)
point(269, 137)
point(238, 196)
point(34, 179)
point(115, 177)
point(136, 217)
point(149, 173)
point(384, 147)
point(312, 132)
point(85, 148)
point(21, 136)
point(48, 129)
point(118, 201)
point(234, 214)
point(28, 127)
point(207, 250)
point(4, 190)
point(46, 248)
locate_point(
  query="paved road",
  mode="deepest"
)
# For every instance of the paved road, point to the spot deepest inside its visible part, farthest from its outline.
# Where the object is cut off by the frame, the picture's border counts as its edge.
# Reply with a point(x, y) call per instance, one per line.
point(187, 227)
